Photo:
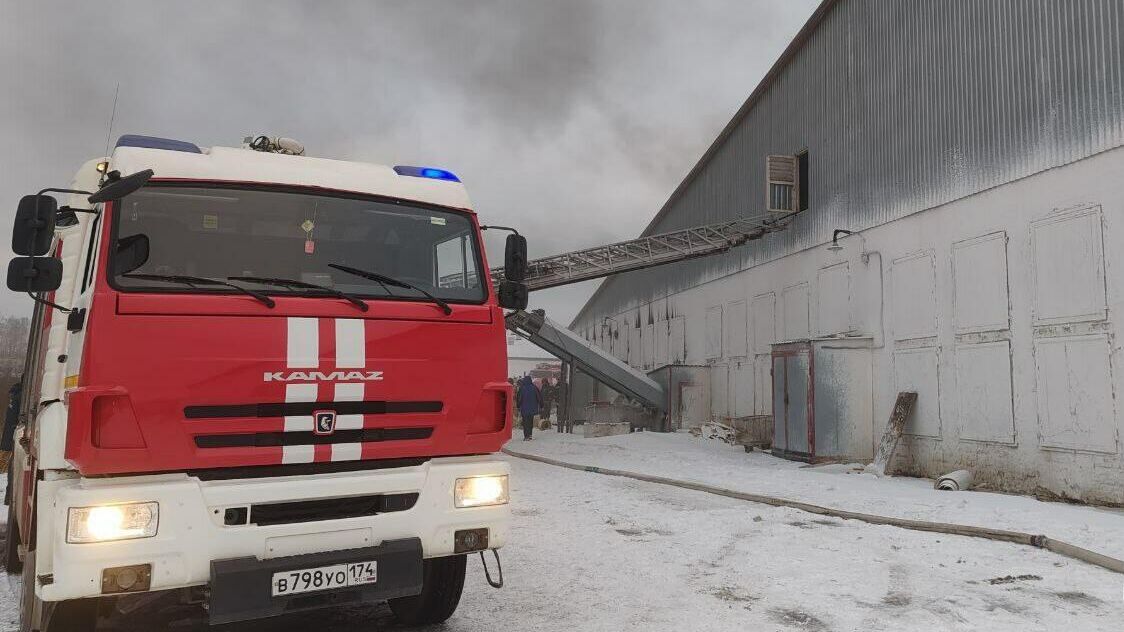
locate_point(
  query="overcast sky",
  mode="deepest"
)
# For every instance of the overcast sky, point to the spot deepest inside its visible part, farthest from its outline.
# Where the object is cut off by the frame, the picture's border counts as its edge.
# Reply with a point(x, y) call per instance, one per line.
point(572, 120)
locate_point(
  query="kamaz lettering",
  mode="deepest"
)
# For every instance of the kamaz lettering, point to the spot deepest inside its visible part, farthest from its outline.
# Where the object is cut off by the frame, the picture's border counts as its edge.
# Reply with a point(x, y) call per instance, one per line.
point(320, 376)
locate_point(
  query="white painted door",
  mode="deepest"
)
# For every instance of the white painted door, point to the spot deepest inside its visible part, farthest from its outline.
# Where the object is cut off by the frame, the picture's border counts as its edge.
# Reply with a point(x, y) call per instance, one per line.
point(692, 406)
point(742, 389)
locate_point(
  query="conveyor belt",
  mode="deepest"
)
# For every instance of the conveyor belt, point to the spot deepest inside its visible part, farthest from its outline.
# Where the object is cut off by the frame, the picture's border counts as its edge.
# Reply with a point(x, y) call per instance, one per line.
point(589, 359)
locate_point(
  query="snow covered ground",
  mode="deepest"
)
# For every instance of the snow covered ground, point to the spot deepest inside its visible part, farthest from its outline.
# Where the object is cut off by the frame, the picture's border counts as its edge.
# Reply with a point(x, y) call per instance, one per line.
point(685, 457)
point(9, 599)
point(599, 553)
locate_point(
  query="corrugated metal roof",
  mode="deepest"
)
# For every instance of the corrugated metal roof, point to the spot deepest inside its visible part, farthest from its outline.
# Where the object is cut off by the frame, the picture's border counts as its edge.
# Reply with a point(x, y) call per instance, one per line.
point(902, 106)
point(762, 87)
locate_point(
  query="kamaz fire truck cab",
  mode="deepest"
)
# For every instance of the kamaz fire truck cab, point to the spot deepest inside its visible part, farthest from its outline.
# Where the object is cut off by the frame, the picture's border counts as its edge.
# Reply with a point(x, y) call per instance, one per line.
point(259, 381)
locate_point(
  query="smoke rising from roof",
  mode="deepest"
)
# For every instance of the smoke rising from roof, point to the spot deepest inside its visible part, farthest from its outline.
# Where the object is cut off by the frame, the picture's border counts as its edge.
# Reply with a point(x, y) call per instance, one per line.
point(572, 120)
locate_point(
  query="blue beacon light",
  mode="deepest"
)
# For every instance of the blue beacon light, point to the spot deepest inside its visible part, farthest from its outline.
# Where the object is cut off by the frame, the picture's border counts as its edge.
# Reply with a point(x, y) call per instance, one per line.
point(426, 172)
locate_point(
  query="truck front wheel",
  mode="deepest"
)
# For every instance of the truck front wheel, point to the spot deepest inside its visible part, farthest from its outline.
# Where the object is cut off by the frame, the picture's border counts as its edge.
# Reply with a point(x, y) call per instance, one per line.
point(75, 615)
point(11, 545)
point(442, 583)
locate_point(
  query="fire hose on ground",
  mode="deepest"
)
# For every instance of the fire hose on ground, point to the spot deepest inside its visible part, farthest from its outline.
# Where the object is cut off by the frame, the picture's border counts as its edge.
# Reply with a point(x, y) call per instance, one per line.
point(999, 535)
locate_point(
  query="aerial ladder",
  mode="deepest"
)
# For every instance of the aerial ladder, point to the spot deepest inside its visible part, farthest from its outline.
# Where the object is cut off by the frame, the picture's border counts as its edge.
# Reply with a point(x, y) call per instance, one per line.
point(624, 256)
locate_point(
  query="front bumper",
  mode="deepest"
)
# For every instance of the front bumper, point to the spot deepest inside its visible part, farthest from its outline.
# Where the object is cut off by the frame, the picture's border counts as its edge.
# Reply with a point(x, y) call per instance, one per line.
point(192, 535)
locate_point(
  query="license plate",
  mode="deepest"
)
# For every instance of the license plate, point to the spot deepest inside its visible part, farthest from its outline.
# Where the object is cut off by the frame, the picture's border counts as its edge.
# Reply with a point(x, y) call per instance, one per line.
point(324, 578)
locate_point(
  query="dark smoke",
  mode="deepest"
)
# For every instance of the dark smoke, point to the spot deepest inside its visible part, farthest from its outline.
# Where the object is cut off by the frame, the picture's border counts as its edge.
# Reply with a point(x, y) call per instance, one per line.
point(572, 119)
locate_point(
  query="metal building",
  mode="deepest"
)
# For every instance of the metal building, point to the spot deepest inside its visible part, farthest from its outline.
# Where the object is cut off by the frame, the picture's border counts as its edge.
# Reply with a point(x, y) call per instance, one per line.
point(975, 150)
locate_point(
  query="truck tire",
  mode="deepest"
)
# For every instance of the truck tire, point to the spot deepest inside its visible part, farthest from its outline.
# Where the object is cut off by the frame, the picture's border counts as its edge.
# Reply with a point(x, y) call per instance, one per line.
point(442, 583)
point(76, 615)
point(12, 561)
point(29, 620)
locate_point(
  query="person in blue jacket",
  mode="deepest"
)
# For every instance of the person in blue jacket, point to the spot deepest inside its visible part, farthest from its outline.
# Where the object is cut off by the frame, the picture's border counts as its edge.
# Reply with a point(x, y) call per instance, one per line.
point(529, 400)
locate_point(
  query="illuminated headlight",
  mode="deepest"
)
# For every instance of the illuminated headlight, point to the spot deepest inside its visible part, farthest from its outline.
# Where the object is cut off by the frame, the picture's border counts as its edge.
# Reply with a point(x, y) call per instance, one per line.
point(480, 491)
point(112, 522)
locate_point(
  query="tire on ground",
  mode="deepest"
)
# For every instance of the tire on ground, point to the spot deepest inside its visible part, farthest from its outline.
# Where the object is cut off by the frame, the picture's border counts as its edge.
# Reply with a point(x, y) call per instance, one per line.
point(12, 561)
point(28, 611)
point(442, 582)
point(75, 615)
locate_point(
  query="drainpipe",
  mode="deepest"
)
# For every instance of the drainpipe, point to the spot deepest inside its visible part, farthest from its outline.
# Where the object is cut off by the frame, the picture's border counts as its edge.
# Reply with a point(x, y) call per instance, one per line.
point(878, 333)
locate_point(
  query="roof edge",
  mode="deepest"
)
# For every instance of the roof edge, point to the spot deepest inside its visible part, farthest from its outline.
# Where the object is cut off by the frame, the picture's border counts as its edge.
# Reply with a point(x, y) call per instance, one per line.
point(763, 86)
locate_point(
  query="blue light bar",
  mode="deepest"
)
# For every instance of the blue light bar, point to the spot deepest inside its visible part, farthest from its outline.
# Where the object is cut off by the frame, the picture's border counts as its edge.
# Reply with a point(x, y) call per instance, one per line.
point(426, 172)
point(153, 142)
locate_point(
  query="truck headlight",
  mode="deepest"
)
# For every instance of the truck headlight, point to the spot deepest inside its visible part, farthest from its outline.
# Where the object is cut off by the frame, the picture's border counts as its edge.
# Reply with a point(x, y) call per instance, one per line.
point(480, 491)
point(106, 523)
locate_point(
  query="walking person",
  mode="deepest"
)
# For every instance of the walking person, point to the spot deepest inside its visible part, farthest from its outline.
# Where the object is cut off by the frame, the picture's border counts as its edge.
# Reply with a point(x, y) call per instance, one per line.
point(562, 395)
point(529, 400)
point(549, 390)
point(11, 419)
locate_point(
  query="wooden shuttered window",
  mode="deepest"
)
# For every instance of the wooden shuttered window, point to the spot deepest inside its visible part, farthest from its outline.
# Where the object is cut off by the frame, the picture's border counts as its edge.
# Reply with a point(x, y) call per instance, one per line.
point(781, 191)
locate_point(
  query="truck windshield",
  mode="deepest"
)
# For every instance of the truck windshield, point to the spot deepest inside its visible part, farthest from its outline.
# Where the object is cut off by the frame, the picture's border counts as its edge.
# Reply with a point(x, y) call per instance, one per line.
point(219, 233)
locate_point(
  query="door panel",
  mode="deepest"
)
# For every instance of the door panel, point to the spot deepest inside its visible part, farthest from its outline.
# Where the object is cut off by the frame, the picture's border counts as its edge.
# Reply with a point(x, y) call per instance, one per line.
point(719, 391)
point(692, 406)
point(762, 383)
point(796, 415)
point(780, 434)
point(741, 389)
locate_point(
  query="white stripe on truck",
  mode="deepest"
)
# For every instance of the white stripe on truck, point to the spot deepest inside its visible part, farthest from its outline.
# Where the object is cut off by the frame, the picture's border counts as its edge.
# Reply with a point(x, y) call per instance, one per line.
point(299, 393)
point(304, 343)
point(303, 352)
point(351, 352)
point(347, 451)
point(349, 392)
point(297, 453)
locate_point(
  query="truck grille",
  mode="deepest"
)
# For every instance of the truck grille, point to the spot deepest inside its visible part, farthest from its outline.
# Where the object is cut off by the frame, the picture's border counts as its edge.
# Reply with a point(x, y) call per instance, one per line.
point(293, 409)
point(302, 469)
point(330, 508)
point(273, 439)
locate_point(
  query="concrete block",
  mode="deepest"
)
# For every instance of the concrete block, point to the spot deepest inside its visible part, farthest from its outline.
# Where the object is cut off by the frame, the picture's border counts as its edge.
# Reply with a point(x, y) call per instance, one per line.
point(607, 429)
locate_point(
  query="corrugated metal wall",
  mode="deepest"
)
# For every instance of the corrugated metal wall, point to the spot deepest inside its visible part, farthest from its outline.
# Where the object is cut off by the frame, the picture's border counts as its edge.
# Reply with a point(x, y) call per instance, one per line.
point(903, 106)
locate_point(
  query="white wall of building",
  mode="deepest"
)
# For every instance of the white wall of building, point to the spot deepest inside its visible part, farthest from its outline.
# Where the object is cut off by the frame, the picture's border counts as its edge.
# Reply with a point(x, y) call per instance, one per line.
point(1000, 309)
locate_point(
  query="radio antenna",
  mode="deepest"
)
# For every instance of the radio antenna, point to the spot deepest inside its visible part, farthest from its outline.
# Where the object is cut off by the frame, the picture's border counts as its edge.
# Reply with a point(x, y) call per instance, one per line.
point(109, 132)
point(112, 117)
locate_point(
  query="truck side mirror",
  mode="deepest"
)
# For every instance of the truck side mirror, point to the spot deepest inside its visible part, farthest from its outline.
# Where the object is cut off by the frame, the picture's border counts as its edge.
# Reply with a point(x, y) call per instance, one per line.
point(515, 259)
point(119, 188)
point(34, 274)
point(35, 225)
point(513, 295)
point(132, 253)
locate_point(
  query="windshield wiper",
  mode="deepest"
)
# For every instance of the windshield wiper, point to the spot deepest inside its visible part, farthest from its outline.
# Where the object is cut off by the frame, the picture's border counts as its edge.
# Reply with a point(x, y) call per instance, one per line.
point(196, 281)
point(293, 283)
point(382, 278)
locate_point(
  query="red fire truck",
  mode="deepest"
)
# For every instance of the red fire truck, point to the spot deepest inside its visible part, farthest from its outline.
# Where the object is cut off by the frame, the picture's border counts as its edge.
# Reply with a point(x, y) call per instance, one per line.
point(257, 381)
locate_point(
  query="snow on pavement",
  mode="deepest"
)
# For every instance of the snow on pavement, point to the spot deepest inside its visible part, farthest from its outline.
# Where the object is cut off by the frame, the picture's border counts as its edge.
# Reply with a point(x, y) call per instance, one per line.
point(599, 553)
point(682, 456)
point(9, 594)
point(592, 552)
